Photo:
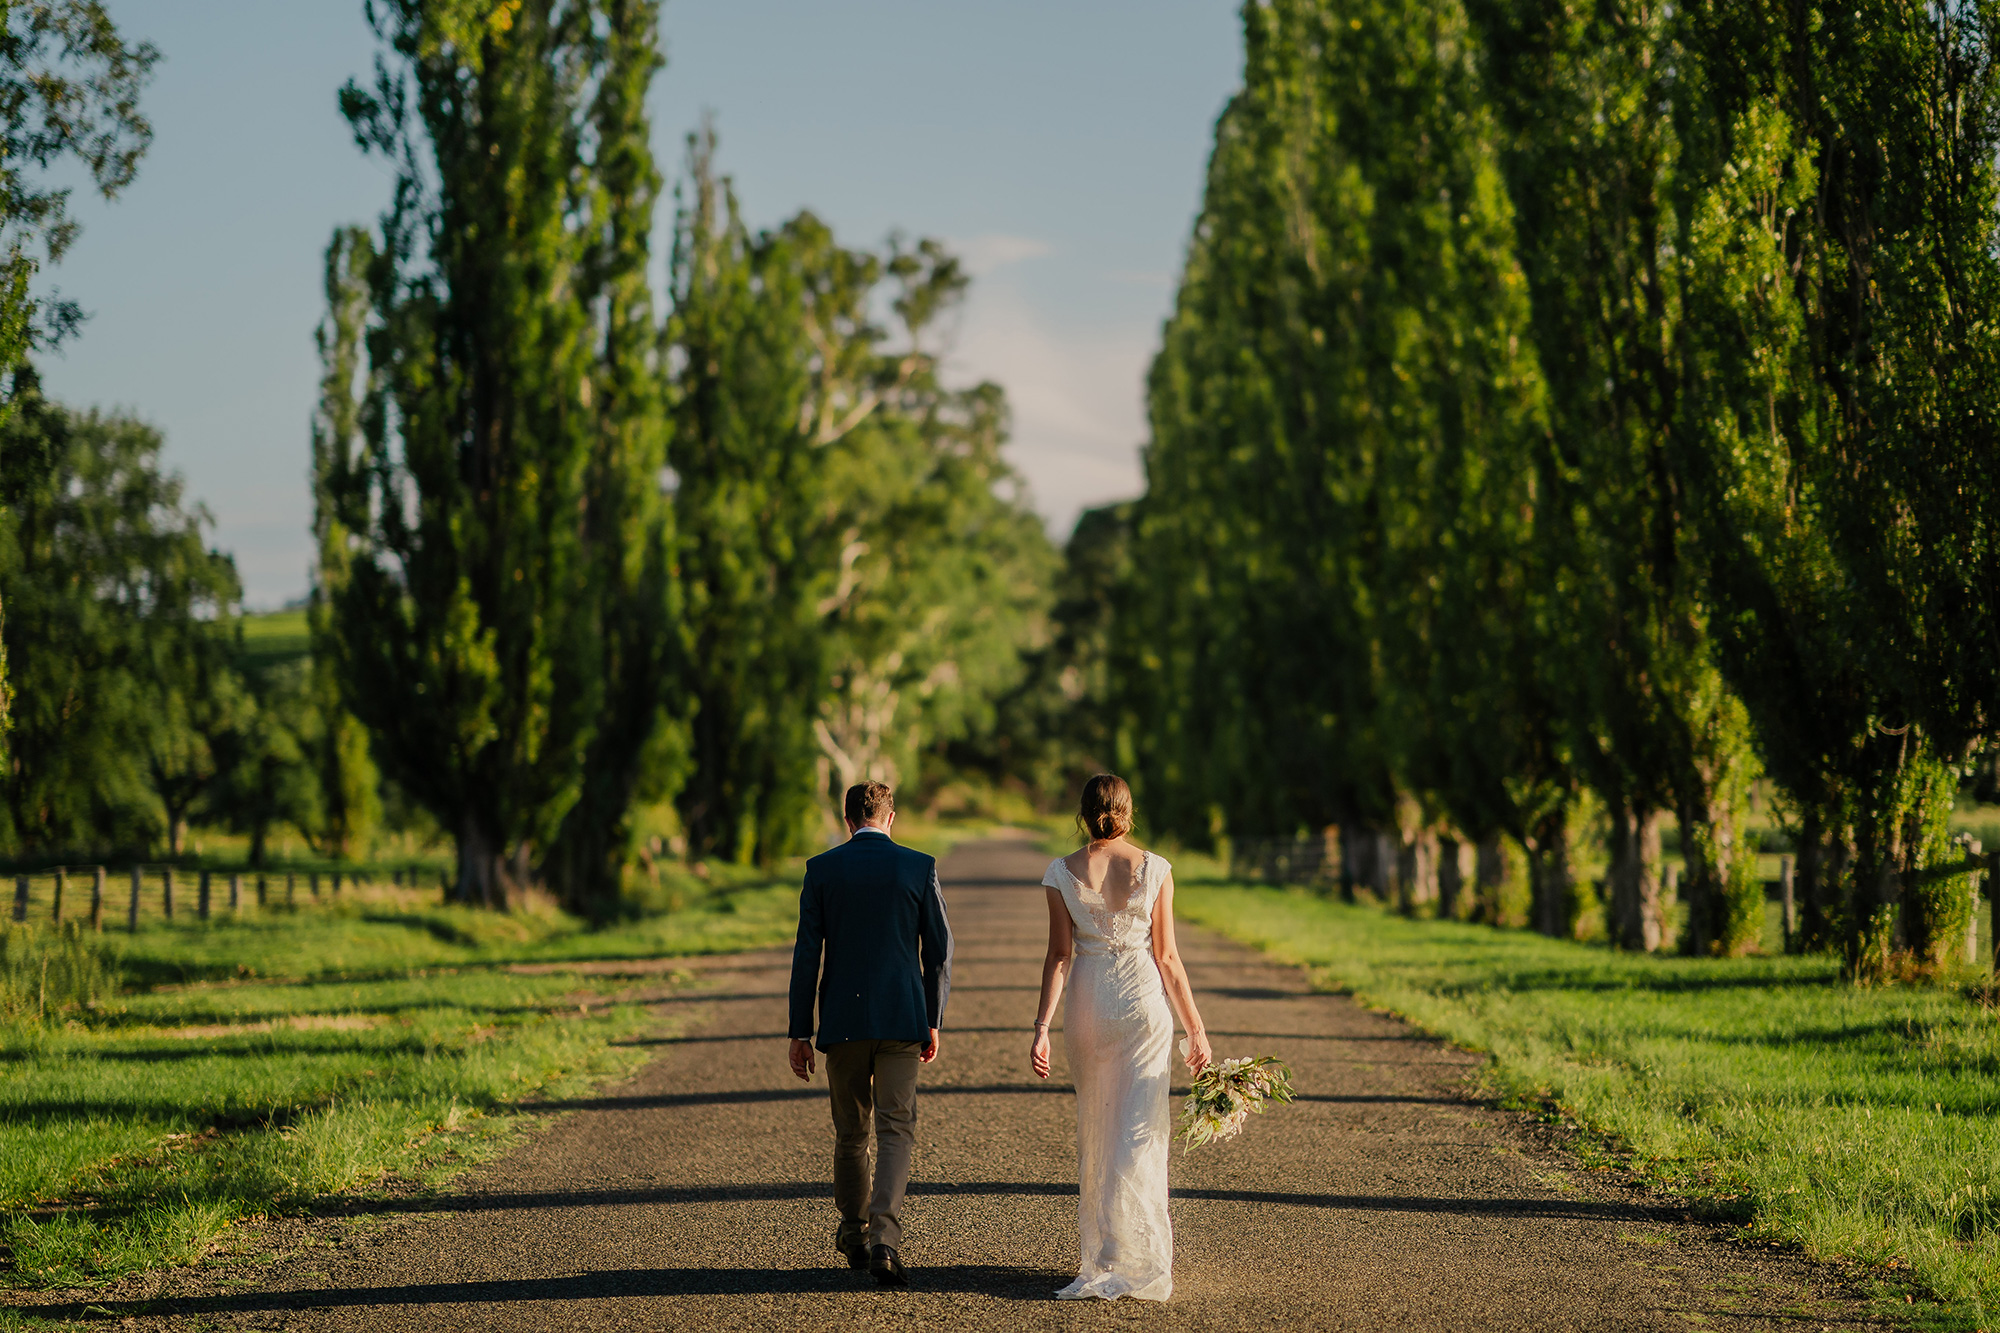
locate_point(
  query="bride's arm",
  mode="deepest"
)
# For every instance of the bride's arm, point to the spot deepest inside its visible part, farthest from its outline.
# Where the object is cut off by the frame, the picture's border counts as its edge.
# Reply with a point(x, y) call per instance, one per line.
point(1055, 971)
point(1166, 952)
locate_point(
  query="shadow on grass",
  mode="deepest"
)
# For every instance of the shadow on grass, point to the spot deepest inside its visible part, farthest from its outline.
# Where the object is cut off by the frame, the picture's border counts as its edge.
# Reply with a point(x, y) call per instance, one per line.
point(245, 1047)
point(195, 1017)
point(1554, 979)
point(442, 931)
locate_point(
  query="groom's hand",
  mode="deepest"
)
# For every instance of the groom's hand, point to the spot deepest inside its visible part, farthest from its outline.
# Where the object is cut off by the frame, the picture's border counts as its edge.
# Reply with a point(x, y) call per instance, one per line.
point(930, 1050)
point(802, 1058)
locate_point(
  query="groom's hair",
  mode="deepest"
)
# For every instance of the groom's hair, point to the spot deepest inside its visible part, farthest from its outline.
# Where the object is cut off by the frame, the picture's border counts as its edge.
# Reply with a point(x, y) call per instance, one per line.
point(868, 802)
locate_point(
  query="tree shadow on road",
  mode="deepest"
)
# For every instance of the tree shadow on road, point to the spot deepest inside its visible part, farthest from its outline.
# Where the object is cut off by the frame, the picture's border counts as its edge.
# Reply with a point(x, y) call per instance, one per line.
point(1635, 1210)
point(990, 1280)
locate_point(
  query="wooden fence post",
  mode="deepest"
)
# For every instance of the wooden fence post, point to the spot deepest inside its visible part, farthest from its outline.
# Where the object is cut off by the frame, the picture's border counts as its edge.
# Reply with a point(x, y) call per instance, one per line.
point(167, 893)
point(313, 883)
point(1993, 906)
point(235, 893)
point(201, 897)
point(291, 891)
point(62, 881)
point(132, 921)
point(263, 894)
point(1787, 915)
point(336, 883)
point(20, 897)
point(96, 898)
point(1973, 863)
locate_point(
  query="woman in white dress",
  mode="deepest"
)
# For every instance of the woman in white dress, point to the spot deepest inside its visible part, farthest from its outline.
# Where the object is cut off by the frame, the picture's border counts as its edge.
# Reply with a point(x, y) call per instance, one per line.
point(1111, 944)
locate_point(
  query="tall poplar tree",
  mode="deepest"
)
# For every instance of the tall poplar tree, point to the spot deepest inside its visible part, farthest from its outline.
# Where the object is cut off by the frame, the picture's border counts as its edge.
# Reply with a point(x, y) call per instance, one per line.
point(1839, 216)
point(481, 538)
point(1590, 161)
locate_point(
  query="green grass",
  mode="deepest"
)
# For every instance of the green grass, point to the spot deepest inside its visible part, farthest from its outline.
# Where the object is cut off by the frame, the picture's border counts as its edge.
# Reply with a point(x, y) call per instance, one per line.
point(274, 637)
point(277, 1057)
point(1860, 1124)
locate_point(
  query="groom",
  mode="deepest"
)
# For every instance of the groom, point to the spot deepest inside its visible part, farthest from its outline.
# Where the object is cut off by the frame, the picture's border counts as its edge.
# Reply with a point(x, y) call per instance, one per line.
point(878, 913)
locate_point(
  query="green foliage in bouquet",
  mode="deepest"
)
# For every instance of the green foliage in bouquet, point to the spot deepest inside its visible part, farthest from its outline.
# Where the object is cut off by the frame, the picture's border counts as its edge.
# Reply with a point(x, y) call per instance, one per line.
point(1226, 1094)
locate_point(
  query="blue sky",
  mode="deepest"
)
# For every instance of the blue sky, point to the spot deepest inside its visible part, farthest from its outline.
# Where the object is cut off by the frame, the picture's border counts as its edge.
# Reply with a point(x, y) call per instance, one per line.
point(1059, 147)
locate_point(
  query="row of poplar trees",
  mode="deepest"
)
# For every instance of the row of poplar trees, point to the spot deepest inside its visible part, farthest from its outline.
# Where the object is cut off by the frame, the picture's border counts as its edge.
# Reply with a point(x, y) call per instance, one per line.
point(1587, 405)
point(588, 543)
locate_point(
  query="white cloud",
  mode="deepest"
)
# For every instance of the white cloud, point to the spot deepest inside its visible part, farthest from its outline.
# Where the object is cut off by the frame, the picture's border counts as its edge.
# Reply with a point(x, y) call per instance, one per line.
point(983, 254)
point(1077, 399)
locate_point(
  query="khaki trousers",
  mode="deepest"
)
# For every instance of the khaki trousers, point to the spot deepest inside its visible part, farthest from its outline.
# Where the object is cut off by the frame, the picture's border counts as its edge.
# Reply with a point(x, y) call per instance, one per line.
point(878, 1077)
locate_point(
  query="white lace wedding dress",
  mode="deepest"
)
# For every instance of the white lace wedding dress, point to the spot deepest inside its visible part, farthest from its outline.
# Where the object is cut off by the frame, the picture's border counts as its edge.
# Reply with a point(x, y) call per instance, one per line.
point(1119, 1034)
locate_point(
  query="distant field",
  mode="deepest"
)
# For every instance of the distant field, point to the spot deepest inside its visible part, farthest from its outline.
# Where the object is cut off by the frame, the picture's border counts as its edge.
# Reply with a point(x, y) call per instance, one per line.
point(271, 637)
point(1855, 1123)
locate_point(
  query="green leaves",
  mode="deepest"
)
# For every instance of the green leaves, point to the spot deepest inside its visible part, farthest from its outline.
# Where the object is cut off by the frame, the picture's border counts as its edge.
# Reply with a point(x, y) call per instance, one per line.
point(492, 538)
point(859, 564)
point(1582, 396)
point(118, 635)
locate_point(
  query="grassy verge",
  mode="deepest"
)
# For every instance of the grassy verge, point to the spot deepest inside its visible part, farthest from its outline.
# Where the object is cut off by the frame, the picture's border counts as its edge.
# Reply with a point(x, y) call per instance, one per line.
point(1861, 1124)
point(272, 1058)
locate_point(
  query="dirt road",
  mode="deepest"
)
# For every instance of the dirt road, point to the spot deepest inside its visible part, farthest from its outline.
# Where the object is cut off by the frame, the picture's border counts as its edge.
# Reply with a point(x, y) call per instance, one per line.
point(697, 1194)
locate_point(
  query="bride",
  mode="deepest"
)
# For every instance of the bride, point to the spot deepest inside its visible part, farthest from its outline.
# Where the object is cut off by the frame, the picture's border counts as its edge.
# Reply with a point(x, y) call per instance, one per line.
point(1111, 939)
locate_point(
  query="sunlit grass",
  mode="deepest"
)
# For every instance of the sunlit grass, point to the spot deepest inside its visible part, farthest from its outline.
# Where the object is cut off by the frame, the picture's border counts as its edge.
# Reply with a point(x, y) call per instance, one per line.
point(278, 1057)
point(1856, 1123)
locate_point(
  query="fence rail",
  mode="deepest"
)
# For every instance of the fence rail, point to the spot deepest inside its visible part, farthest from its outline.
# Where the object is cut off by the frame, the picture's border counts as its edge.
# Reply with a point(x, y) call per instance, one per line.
point(1314, 860)
point(158, 893)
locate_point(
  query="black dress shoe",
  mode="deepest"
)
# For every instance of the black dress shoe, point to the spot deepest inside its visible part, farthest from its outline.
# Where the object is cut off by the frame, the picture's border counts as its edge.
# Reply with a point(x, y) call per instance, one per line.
point(886, 1267)
point(853, 1243)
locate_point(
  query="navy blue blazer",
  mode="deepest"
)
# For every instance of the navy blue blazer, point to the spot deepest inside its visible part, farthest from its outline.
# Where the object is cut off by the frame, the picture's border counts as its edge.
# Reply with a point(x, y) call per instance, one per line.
point(876, 911)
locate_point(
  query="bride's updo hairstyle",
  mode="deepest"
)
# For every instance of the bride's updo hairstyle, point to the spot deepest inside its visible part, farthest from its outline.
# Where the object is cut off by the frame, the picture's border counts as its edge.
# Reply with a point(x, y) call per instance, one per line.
point(1106, 809)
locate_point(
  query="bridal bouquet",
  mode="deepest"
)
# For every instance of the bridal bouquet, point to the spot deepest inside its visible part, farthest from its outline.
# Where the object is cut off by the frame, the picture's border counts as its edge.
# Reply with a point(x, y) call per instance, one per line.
point(1228, 1093)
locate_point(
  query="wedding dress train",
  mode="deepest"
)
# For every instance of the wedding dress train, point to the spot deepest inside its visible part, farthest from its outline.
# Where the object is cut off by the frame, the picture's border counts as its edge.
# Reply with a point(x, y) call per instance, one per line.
point(1118, 1031)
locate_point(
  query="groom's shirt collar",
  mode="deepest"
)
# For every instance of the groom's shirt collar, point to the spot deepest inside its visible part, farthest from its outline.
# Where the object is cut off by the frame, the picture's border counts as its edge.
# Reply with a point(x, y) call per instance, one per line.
point(870, 828)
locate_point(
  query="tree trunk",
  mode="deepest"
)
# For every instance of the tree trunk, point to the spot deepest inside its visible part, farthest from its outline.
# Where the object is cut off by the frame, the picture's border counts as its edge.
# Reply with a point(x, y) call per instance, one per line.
point(1637, 918)
point(480, 881)
point(1552, 878)
point(1352, 855)
point(1416, 871)
point(1809, 884)
point(1451, 873)
point(1373, 861)
point(1490, 875)
point(1708, 846)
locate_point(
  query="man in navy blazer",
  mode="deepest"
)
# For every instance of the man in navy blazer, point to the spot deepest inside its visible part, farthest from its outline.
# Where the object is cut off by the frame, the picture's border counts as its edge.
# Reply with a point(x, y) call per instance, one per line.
point(876, 912)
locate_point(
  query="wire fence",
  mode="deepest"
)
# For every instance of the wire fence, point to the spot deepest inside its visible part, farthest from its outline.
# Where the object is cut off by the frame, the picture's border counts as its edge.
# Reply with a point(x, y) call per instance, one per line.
point(128, 897)
point(1308, 860)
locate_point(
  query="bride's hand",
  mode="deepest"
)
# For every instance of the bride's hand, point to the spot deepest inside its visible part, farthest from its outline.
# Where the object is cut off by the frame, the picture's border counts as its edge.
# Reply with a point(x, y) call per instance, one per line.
point(1038, 1053)
point(1200, 1055)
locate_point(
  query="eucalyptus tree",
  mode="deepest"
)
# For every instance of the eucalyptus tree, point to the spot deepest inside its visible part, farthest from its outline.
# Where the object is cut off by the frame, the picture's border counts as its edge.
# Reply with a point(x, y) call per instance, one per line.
point(858, 565)
point(483, 546)
point(949, 575)
point(118, 631)
point(69, 89)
